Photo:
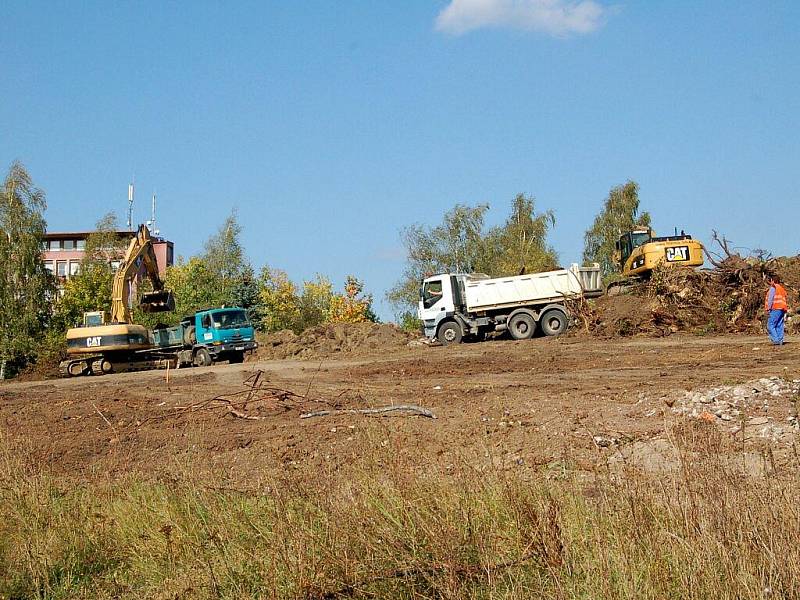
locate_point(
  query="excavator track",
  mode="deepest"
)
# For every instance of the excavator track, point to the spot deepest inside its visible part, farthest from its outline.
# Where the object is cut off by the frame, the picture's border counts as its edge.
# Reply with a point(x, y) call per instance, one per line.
point(75, 367)
point(102, 366)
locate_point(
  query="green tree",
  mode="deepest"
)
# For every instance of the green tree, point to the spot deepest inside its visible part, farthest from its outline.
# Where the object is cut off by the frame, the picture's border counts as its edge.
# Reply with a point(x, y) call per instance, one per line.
point(219, 276)
point(620, 214)
point(26, 288)
point(223, 252)
point(194, 285)
point(520, 244)
point(456, 245)
point(246, 294)
point(460, 244)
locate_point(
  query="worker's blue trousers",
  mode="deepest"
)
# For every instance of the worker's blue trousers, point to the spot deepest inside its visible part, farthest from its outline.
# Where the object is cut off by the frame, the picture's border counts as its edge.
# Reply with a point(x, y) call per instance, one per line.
point(775, 325)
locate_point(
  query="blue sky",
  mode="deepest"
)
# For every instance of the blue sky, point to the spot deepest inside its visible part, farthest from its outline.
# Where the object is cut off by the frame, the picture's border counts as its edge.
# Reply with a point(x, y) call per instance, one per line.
point(329, 126)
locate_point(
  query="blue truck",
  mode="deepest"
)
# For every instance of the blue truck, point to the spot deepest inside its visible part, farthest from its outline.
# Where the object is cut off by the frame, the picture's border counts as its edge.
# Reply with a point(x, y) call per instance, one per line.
point(208, 336)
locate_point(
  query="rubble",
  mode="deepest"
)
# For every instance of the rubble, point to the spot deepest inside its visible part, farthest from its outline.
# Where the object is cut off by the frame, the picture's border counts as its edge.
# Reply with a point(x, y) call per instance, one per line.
point(750, 405)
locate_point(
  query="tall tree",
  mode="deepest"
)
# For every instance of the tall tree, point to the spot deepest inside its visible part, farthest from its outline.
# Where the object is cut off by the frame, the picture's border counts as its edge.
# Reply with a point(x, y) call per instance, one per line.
point(460, 244)
point(26, 288)
point(520, 244)
point(225, 260)
point(620, 214)
point(223, 251)
point(455, 245)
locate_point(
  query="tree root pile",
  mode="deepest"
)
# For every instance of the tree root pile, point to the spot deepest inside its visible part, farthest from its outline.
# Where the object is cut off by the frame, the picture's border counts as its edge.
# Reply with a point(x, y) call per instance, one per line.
point(728, 298)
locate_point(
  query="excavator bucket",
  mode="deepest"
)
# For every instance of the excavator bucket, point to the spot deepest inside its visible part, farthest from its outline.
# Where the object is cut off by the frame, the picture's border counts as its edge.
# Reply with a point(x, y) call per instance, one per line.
point(162, 301)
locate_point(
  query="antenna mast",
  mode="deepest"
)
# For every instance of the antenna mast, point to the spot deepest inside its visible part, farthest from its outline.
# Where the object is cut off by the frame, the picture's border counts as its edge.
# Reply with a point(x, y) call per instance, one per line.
point(130, 206)
point(153, 216)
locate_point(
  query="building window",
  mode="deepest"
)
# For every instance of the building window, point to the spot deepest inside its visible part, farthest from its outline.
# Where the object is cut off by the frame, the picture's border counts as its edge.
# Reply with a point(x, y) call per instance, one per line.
point(74, 267)
point(61, 268)
point(48, 264)
point(170, 256)
point(80, 245)
point(55, 245)
point(69, 244)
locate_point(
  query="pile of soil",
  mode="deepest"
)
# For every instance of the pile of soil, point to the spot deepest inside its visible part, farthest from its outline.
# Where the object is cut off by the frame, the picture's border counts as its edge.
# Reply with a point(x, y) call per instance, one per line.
point(331, 339)
point(726, 299)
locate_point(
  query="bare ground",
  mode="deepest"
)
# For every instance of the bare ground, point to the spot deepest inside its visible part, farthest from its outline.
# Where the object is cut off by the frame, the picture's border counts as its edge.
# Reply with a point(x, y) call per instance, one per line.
point(532, 406)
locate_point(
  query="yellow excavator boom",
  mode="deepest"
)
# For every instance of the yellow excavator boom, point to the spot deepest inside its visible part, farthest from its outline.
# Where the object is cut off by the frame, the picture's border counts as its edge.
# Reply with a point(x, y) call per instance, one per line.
point(140, 253)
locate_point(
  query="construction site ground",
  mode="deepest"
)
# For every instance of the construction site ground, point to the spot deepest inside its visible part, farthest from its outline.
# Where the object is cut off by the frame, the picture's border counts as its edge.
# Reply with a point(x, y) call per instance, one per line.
point(529, 407)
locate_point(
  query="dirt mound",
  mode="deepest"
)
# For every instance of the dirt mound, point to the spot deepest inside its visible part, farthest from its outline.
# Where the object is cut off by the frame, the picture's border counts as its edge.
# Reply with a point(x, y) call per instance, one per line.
point(326, 340)
point(622, 315)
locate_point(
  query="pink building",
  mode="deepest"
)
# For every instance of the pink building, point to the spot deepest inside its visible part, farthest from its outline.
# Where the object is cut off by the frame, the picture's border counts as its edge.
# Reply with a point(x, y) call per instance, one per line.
point(63, 252)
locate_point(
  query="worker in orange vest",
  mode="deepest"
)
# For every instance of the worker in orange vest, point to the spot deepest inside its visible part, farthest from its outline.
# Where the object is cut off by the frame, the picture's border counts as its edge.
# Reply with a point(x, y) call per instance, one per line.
point(776, 304)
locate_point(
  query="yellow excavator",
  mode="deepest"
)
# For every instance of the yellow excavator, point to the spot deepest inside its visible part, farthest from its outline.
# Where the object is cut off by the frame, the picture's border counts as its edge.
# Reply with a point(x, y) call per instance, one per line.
point(639, 251)
point(103, 342)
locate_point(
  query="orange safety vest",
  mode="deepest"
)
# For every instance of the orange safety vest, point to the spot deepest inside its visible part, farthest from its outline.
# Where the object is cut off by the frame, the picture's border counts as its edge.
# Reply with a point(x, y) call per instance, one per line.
point(779, 302)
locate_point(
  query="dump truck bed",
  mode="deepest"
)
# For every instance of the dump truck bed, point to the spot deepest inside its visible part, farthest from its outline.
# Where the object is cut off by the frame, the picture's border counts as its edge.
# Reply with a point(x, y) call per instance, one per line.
point(536, 288)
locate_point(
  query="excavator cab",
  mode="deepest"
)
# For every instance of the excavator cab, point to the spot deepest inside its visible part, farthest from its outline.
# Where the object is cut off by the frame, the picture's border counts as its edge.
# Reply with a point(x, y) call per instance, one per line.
point(95, 318)
point(159, 301)
point(629, 241)
point(639, 251)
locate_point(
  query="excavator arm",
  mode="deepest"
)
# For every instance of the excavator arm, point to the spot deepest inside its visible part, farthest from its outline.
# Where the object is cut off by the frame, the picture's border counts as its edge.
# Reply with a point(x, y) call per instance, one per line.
point(140, 253)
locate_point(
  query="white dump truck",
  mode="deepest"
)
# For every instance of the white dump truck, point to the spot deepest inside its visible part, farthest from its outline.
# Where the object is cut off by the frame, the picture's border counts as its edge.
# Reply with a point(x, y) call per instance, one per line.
point(457, 306)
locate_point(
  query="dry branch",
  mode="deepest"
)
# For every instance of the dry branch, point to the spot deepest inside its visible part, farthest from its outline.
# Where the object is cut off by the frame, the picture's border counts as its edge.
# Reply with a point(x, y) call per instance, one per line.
point(381, 410)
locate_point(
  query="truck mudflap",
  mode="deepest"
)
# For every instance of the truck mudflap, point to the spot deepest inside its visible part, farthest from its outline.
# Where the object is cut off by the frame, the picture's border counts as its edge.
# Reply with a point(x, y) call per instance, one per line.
point(216, 350)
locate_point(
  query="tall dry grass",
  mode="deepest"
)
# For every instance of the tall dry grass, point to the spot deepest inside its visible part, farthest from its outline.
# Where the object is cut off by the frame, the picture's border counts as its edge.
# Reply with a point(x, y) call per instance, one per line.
point(379, 530)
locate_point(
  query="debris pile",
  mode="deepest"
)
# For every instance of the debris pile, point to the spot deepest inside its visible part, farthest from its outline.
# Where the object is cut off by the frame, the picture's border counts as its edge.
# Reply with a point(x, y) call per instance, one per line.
point(332, 339)
point(766, 407)
point(729, 298)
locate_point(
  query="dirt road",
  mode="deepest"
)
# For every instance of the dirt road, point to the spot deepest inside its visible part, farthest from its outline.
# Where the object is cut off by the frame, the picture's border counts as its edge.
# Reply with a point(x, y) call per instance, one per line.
point(531, 405)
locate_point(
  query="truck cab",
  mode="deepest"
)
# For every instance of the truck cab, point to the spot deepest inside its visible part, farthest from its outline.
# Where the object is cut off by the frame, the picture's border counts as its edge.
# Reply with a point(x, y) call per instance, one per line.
point(438, 300)
point(220, 334)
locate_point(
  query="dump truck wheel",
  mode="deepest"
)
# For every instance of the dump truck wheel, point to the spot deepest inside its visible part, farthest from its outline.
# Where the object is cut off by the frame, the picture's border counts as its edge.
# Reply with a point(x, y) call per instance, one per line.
point(554, 322)
point(202, 358)
point(521, 326)
point(449, 333)
point(189, 337)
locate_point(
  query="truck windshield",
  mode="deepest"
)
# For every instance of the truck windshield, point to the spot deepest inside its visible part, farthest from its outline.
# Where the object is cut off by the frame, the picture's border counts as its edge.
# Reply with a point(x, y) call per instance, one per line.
point(431, 292)
point(230, 319)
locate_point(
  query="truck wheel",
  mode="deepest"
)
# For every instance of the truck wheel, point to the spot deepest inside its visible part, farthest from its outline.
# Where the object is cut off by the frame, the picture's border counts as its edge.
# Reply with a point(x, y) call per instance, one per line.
point(554, 322)
point(236, 358)
point(202, 358)
point(449, 333)
point(521, 326)
point(189, 337)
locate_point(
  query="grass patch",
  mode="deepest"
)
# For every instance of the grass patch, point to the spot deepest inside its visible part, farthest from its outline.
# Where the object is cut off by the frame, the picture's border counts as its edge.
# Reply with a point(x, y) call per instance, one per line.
point(380, 530)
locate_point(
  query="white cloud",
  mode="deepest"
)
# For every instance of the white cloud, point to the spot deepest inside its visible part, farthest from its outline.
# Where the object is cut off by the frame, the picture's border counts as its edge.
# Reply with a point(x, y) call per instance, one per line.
point(554, 17)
